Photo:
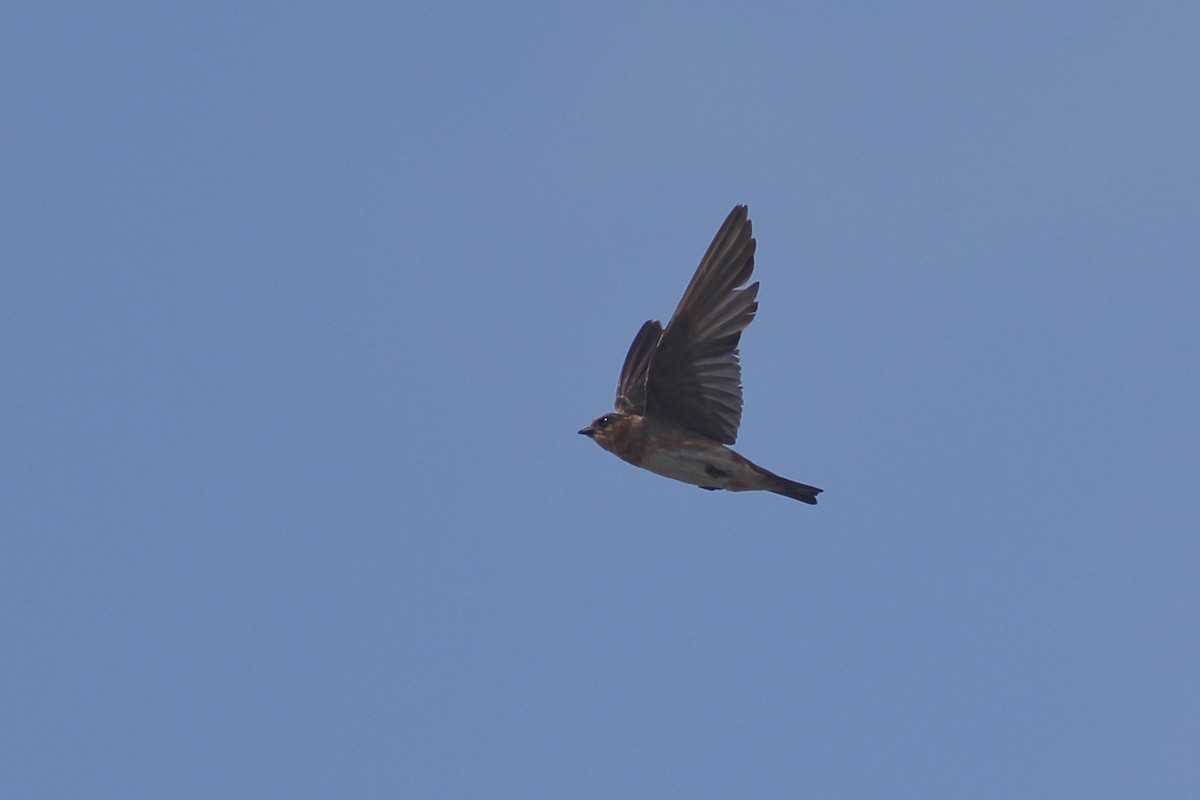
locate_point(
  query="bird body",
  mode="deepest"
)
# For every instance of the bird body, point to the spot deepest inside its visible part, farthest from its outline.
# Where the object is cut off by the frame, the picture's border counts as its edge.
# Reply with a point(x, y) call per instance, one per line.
point(674, 452)
point(679, 395)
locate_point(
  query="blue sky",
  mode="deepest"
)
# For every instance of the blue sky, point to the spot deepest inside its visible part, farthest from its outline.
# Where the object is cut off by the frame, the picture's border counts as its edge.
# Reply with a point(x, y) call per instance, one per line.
point(302, 306)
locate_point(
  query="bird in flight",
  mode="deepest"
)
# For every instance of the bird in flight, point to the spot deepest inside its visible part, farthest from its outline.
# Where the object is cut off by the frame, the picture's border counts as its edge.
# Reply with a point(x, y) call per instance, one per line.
point(679, 396)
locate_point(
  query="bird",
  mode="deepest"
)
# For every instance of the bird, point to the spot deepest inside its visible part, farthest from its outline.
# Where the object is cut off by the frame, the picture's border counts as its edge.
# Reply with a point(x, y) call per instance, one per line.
point(679, 394)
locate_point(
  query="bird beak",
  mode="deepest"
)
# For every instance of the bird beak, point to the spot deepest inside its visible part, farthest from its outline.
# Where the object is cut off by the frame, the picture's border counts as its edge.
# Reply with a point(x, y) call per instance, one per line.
point(588, 431)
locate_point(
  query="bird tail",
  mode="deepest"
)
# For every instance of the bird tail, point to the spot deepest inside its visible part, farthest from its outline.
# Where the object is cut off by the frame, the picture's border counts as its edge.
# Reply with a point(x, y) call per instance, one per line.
point(797, 491)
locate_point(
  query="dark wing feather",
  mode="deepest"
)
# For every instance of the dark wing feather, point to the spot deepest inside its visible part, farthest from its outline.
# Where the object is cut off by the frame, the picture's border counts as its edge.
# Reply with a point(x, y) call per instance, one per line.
point(631, 386)
point(694, 377)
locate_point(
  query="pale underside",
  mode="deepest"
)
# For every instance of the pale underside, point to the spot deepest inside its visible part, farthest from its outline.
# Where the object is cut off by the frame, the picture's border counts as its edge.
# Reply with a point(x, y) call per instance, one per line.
point(714, 466)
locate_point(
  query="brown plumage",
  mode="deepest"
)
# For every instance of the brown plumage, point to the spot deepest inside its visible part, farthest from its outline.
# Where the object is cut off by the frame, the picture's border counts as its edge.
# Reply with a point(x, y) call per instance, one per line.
point(679, 395)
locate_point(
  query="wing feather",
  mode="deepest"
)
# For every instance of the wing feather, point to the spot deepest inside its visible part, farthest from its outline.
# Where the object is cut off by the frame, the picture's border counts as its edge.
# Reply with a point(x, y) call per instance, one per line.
point(631, 385)
point(693, 376)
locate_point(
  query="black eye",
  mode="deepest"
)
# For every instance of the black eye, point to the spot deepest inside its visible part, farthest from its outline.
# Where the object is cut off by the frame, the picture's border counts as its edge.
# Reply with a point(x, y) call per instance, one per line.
point(602, 423)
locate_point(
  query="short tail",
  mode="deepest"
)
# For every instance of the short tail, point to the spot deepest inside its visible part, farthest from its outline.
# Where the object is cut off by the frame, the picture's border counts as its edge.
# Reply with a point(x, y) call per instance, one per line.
point(797, 491)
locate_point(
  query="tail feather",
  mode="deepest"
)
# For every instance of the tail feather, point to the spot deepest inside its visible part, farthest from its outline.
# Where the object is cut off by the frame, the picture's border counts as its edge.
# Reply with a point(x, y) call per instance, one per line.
point(797, 491)
point(780, 485)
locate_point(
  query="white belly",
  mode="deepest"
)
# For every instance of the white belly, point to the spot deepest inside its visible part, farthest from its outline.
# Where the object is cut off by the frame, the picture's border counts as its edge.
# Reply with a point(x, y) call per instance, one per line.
point(702, 468)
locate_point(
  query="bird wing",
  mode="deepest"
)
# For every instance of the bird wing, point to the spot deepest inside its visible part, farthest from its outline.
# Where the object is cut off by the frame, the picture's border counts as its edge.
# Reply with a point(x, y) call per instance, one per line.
point(693, 376)
point(631, 386)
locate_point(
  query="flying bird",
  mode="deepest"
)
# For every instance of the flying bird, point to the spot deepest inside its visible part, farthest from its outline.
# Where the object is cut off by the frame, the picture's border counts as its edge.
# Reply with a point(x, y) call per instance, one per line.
point(679, 395)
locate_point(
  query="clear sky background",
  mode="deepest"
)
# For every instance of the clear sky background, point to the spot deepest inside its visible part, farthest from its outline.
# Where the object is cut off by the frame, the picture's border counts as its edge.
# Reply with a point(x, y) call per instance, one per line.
point(303, 304)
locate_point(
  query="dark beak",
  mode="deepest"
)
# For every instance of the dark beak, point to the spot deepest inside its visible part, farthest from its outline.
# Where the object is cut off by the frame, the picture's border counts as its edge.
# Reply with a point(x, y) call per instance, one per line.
point(588, 431)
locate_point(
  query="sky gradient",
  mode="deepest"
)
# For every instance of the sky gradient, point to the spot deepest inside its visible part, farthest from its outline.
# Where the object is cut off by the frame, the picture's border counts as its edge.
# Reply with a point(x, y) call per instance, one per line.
point(302, 305)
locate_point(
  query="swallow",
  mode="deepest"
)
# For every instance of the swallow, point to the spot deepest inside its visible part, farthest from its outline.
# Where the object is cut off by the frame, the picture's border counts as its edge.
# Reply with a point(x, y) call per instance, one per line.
point(679, 394)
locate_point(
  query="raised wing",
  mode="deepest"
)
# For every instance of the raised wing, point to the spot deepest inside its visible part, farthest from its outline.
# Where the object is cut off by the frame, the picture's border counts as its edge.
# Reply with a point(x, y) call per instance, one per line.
point(693, 377)
point(631, 386)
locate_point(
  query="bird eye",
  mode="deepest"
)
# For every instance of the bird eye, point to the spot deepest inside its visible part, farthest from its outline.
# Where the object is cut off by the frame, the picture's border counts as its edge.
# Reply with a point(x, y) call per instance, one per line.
point(603, 423)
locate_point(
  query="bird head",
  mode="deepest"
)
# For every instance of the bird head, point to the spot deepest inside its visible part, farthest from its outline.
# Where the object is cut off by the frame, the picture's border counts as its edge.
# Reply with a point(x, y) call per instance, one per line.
point(607, 430)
